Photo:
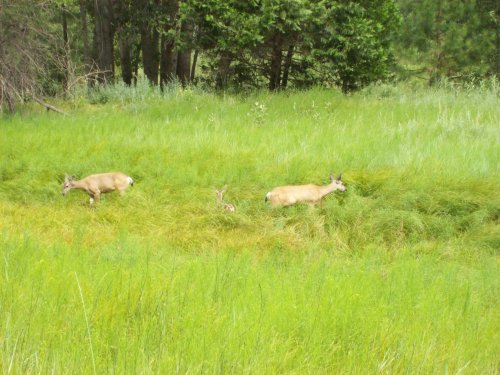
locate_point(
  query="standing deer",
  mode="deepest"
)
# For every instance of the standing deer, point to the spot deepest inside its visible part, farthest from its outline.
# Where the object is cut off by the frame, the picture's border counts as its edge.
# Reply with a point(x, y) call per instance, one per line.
point(226, 206)
point(310, 194)
point(97, 184)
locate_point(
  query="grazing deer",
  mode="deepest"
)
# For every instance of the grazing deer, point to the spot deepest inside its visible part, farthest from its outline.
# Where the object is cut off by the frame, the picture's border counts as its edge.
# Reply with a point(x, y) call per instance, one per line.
point(97, 184)
point(226, 206)
point(310, 194)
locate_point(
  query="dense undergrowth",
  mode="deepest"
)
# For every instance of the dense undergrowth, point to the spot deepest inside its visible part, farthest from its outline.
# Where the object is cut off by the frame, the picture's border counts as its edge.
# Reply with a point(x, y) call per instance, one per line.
point(400, 273)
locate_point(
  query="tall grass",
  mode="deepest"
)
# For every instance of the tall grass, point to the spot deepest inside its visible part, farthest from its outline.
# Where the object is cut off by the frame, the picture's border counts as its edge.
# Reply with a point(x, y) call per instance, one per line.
point(162, 310)
point(399, 274)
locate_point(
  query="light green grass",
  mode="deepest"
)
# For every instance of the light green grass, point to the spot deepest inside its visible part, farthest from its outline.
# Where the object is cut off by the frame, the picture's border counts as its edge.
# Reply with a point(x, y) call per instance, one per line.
point(399, 274)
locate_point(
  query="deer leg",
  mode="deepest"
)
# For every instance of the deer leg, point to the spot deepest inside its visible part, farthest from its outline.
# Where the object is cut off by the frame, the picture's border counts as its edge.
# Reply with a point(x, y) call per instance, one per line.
point(91, 197)
point(94, 195)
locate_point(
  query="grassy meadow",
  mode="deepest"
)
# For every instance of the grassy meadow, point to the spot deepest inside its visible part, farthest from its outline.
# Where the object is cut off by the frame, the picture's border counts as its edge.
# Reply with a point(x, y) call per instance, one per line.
point(400, 274)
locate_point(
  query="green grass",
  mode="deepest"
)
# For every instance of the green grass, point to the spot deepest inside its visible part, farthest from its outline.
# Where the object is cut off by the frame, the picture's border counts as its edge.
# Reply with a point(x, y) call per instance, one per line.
point(399, 274)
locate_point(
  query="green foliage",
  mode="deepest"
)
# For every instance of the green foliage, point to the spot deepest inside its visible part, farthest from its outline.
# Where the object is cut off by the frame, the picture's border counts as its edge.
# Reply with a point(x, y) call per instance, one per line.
point(456, 39)
point(336, 43)
point(351, 40)
point(223, 25)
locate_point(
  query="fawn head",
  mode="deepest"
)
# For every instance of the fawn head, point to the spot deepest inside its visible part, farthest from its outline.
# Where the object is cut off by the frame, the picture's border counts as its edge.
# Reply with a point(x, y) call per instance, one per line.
point(220, 193)
point(220, 199)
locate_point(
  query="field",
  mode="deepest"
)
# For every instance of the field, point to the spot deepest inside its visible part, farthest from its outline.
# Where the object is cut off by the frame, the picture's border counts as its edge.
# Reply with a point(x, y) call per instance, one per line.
point(400, 274)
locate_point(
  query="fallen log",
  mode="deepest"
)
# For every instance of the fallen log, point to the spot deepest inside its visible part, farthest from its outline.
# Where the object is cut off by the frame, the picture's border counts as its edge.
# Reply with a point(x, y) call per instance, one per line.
point(48, 106)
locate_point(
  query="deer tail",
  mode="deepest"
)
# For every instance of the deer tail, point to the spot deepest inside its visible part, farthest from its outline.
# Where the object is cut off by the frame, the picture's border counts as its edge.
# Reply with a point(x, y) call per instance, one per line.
point(130, 181)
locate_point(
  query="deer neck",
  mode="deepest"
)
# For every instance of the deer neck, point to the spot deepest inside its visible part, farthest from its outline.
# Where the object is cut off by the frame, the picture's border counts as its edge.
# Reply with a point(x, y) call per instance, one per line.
point(78, 185)
point(327, 189)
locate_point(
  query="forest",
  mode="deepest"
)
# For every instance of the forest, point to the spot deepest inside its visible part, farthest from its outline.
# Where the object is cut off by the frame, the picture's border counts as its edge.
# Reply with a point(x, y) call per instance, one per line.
point(48, 48)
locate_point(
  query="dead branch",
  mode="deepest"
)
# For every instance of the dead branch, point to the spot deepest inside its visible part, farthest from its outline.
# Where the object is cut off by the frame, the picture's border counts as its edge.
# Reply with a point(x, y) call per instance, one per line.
point(48, 106)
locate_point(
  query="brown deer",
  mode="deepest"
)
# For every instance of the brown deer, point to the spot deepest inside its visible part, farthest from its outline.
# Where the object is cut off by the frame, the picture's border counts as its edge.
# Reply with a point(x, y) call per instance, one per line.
point(97, 184)
point(226, 206)
point(309, 194)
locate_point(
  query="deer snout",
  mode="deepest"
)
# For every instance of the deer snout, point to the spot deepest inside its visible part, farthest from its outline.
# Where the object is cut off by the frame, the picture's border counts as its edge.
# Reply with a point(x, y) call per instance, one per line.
point(342, 188)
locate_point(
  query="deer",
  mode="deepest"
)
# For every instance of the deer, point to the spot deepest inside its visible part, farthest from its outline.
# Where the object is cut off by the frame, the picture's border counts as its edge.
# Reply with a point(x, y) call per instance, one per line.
point(96, 184)
point(309, 194)
point(226, 206)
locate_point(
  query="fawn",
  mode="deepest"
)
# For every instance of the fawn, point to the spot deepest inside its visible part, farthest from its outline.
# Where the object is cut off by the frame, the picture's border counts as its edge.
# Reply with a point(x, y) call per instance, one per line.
point(226, 206)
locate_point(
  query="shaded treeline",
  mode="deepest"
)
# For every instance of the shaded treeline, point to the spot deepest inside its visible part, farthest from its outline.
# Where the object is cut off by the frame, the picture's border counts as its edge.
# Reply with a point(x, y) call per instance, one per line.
point(243, 43)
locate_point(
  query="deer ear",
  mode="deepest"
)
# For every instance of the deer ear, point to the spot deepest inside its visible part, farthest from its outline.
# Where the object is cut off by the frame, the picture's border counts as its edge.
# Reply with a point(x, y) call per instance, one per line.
point(331, 177)
point(339, 178)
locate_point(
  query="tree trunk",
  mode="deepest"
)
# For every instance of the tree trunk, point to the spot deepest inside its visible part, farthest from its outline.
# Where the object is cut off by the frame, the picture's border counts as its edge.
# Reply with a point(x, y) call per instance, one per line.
point(287, 65)
point(85, 36)
point(275, 71)
point(439, 54)
point(184, 57)
point(150, 52)
point(184, 66)
point(125, 34)
point(125, 57)
point(168, 61)
point(497, 40)
point(135, 62)
point(168, 56)
point(65, 26)
point(65, 48)
point(223, 71)
point(103, 40)
point(193, 65)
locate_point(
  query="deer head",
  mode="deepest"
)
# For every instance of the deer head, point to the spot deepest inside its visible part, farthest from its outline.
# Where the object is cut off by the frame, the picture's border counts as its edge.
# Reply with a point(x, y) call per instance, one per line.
point(337, 183)
point(67, 184)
